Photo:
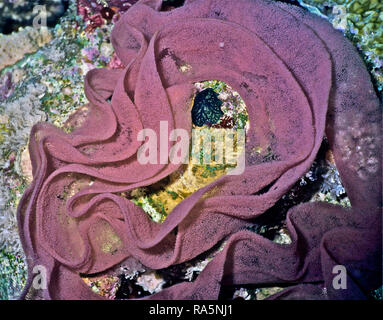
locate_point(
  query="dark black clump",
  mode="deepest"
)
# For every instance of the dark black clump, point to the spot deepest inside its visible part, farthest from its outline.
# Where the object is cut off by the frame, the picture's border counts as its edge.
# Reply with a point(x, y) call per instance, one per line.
point(206, 108)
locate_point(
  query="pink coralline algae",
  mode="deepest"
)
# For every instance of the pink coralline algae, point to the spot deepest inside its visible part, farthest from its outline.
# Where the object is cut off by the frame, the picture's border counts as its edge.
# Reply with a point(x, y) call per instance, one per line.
point(299, 78)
